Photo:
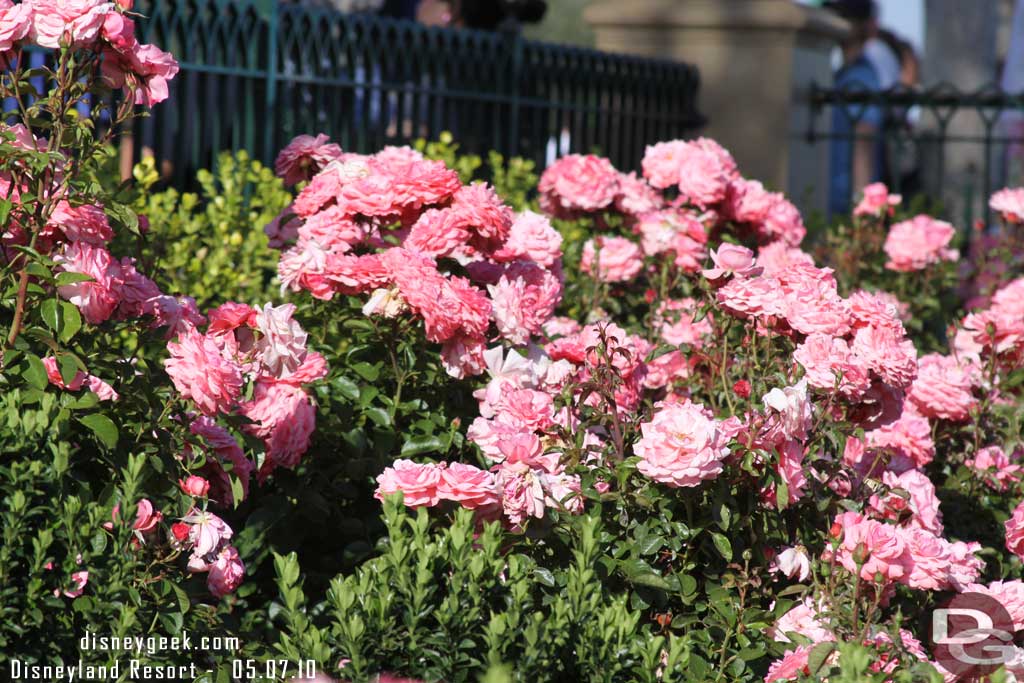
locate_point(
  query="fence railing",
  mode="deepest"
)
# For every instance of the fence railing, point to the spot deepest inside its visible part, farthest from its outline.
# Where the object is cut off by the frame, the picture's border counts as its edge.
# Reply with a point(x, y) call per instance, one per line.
point(252, 77)
point(948, 145)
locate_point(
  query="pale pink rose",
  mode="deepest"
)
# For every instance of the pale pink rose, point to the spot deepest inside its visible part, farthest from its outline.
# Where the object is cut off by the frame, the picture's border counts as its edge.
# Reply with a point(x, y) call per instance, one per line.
point(918, 243)
point(532, 237)
point(200, 372)
point(929, 565)
point(788, 412)
point(994, 462)
point(523, 299)
point(794, 563)
point(996, 330)
point(525, 408)
point(636, 197)
point(15, 22)
point(705, 171)
point(879, 548)
point(561, 326)
point(282, 341)
point(1009, 593)
point(153, 68)
point(420, 484)
point(964, 566)
point(777, 256)
point(578, 183)
point(877, 201)
point(226, 572)
point(284, 418)
point(437, 233)
point(522, 494)
point(495, 437)
point(682, 445)
point(812, 302)
point(96, 298)
point(755, 297)
point(917, 498)
point(207, 533)
point(1015, 531)
point(611, 259)
point(783, 223)
point(666, 368)
point(194, 486)
point(468, 486)
point(804, 619)
point(731, 259)
point(1009, 203)
point(76, 21)
point(662, 161)
point(942, 389)
point(562, 492)
point(748, 202)
point(177, 314)
point(909, 438)
point(886, 352)
point(829, 364)
point(674, 320)
point(878, 309)
point(304, 157)
point(792, 666)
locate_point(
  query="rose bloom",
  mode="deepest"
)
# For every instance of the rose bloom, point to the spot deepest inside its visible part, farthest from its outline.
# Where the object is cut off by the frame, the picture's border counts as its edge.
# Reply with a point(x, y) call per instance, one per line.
point(909, 438)
point(942, 389)
point(731, 259)
point(1009, 593)
point(468, 486)
point(794, 563)
point(532, 237)
point(748, 202)
point(304, 157)
point(682, 445)
point(804, 619)
point(208, 533)
point(524, 298)
point(792, 666)
point(636, 197)
point(1015, 531)
point(522, 493)
point(783, 223)
point(195, 486)
point(754, 297)
point(918, 243)
point(96, 298)
point(877, 201)
point(829, 364)
point(200, 372)
point(611, 259)
point(777, 256)
point(879, 546)
point(15, 22)
point(918, 499)
point(789, 413)
point(886, 352)
point(419, 484)
point(674, 319)
point(705, 171)
point(578, 183)
point(226, 572)
point(282, 341)
point(1009, 203)
point(78, 20)
point(993, 460)
point(662, 161)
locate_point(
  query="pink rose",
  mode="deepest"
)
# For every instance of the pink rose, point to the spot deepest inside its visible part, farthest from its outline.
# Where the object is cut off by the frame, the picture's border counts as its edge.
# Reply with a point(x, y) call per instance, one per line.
point(468, 486)
point(226, 572)
point(532, 237)
point(611, 259)
point(1009, 203)
point(523, 299)
point(419, 484)
point(731, 259)
point(15, 23)
point(200, 372)
point(918, 243)
point(1015, 532)
point(96, 298)
point(76, 21)
point(207, 534)
point(681, 445)
point(877, 201)
point(194, 486)
point(578, 183)
point(304, 157)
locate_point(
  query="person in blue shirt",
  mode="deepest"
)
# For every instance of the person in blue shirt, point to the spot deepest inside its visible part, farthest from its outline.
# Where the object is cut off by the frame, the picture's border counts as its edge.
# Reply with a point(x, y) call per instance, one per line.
point(856, 148)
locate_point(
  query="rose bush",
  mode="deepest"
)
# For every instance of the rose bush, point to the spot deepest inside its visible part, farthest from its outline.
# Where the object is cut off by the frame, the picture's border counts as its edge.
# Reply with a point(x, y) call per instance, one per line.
point(409, 415)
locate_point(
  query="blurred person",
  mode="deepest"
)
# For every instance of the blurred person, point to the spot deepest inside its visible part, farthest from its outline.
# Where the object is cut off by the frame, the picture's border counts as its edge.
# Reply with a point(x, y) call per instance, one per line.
point(855, 155)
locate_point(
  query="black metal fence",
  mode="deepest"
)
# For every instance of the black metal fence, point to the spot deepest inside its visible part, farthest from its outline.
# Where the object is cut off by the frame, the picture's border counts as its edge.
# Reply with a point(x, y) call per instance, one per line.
point(953, 147)
point(254, 77)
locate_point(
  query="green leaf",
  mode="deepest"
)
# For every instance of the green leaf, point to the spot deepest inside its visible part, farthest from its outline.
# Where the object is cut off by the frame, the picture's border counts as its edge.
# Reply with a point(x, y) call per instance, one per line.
point(723, 545)
point(818, 655)
point(69, 278)
point(69, 366)
point(48, 310)
point(544, 576)
point(35, 372)
point(419, 445)
point(103, 427)
point(72, 321)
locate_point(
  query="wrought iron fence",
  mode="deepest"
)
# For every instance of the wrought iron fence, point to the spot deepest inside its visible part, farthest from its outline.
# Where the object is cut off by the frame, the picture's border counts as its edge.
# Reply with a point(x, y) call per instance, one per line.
point(951, 146)
point(252, 76)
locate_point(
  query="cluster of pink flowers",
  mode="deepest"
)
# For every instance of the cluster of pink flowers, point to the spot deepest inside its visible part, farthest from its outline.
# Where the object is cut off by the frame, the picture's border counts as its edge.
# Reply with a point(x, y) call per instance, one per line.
point(345, 224)
point(997, 330)
point(876, 550)
point(1009, 203)
point(999, 470)
point(206, 536)
point(264, 348)
point(877, 201)
point(918, 243)
point(101, 27)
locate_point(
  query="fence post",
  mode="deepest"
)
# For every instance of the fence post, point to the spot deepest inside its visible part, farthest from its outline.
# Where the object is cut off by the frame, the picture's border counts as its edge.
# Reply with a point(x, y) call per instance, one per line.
point(270, 107)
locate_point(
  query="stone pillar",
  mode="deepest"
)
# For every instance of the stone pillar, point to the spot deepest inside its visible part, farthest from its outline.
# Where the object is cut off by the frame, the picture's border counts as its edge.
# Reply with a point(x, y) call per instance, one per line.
point(757, 59)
